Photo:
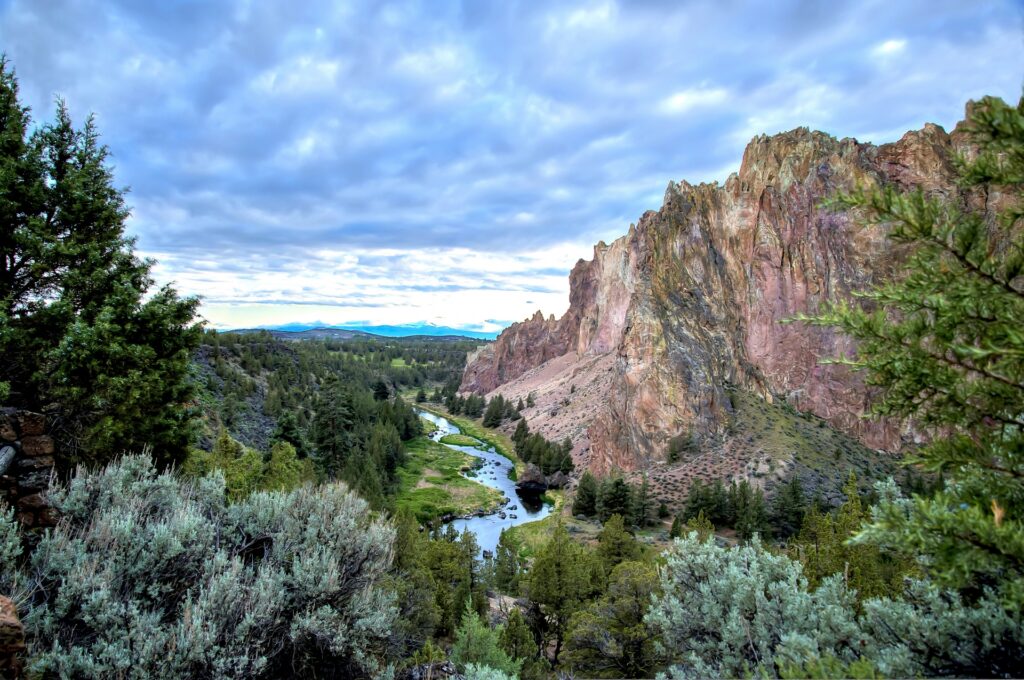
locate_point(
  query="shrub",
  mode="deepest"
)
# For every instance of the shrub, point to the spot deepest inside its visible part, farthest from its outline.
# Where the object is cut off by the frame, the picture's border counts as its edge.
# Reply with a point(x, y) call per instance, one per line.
point(151, 576)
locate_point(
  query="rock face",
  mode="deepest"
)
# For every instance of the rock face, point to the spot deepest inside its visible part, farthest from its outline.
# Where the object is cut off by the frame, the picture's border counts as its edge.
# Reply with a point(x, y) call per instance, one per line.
point(688, 305)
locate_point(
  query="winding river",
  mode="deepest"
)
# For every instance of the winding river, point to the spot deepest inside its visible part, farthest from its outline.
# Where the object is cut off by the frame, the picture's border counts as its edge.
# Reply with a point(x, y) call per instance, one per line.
point(493, 473)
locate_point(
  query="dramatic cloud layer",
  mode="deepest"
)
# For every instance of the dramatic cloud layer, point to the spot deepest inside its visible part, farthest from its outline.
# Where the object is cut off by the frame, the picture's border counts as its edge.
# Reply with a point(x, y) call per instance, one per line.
point(449, 161)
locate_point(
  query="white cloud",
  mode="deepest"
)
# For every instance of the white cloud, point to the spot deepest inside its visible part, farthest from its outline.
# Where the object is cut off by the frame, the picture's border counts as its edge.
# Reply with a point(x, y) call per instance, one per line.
point(889, 47)
point(692, 98)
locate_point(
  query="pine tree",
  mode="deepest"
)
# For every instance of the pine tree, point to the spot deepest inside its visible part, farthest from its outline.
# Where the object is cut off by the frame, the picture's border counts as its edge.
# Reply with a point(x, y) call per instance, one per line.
point(585, 502)
point(508, 565)
point(614, 498)
point(475, 643)
point(640, 504)
point(563, 577)
point(615, 545)
point(788, 508)
point(676, 531)
point(943, 343)
point(287, 430)
point(83, 336)
point(521, 433)
point(517, 639)
point(495, 412)
point(702, 525)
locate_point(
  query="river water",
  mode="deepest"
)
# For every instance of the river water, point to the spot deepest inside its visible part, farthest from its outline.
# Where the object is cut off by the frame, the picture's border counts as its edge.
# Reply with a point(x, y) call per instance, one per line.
point(494, 474)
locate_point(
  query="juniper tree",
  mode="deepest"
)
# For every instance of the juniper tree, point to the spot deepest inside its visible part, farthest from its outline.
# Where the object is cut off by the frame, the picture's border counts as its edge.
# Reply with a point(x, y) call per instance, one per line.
point(84, 335)
point(944, 344)
point(563, 577)
point(585, 501)
point(610, 635)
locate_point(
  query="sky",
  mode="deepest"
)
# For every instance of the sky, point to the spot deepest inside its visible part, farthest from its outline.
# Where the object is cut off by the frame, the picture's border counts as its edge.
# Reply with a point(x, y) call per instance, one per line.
point(448, 162)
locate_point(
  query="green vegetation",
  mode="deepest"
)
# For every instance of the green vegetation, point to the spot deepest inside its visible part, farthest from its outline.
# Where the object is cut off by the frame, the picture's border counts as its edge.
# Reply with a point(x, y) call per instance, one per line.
point(430, 485)
point(460, 440)
point(820, 455)
point(152, 576)
point(548, 456)
point(944, 345)
point(84, 337)
point(501, 442)
point(429, 427)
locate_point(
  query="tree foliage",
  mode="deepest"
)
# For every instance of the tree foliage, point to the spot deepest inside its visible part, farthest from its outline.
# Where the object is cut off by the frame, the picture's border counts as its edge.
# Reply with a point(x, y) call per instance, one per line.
point(610, 637)
point(945, 346)
point(478, 644)
point(84, 337)
point(563, 577)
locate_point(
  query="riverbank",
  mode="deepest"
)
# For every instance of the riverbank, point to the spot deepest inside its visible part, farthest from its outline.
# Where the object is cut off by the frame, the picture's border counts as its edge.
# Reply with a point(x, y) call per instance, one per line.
point(431, 484)
point(501, 442)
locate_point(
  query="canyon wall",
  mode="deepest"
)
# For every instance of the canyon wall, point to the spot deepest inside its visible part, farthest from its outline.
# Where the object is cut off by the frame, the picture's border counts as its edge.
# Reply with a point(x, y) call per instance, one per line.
point(668, 320)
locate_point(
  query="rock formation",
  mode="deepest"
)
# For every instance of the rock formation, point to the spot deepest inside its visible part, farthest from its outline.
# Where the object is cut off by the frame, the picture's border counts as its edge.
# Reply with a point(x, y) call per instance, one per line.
point(667, 322)
point(12, 639)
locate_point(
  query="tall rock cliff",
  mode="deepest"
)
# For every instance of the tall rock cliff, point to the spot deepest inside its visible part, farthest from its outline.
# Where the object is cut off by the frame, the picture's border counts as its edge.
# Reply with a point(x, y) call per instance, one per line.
point(674, 327)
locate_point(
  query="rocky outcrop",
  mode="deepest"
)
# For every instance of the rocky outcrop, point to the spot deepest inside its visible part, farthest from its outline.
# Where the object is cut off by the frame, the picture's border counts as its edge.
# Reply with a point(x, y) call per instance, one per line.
point(12, 639)
point(690, 303)
point(531, 481)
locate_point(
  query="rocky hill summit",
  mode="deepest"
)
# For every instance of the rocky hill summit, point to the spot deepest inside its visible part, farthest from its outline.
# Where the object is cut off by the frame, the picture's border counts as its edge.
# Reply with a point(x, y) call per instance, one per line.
point(675, 330)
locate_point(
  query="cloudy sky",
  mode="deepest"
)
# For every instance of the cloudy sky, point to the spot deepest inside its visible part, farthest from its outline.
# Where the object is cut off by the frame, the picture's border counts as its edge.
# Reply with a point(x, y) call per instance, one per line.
point(446, 161)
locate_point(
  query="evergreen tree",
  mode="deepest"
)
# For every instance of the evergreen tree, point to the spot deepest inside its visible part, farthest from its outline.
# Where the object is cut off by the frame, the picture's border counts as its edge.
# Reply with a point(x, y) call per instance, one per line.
point(508, 565)
point(943, 343)
point(522, 431)
point(614, 498)
point(563, 577)
point(288, 431)
point(421, 396)
point(640, 504)
point(519, 643)
point(610, 635)
point(84, 337)
point(381, 392)
point(676, 531)
point(414, 587)
point(495, 412)
point(332, 428)
point(615, 545)
point(585, 502)
point(788, 508)
point(697, 499)
point(702, 525)
point(476, 643)
point(284, 471)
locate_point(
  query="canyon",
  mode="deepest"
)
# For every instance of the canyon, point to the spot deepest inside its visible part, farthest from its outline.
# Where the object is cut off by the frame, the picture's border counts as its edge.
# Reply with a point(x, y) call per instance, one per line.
point(678, 328)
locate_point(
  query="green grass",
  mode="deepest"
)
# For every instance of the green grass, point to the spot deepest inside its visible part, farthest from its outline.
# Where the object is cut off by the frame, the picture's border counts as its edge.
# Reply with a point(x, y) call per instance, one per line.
point(429, 426)
point(430, 483)
point(398, 362)
point(460, 440)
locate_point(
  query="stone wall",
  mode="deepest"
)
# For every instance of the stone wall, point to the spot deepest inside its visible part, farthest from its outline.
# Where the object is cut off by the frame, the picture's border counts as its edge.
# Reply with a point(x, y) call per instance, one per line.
point(26, 464)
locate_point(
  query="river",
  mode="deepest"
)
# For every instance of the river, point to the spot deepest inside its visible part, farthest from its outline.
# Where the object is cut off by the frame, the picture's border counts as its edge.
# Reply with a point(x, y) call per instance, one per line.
point(494, 474)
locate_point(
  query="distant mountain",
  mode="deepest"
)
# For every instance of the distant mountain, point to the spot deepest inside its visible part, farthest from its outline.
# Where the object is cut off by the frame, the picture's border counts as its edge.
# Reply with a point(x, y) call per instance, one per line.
point(298, 331)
